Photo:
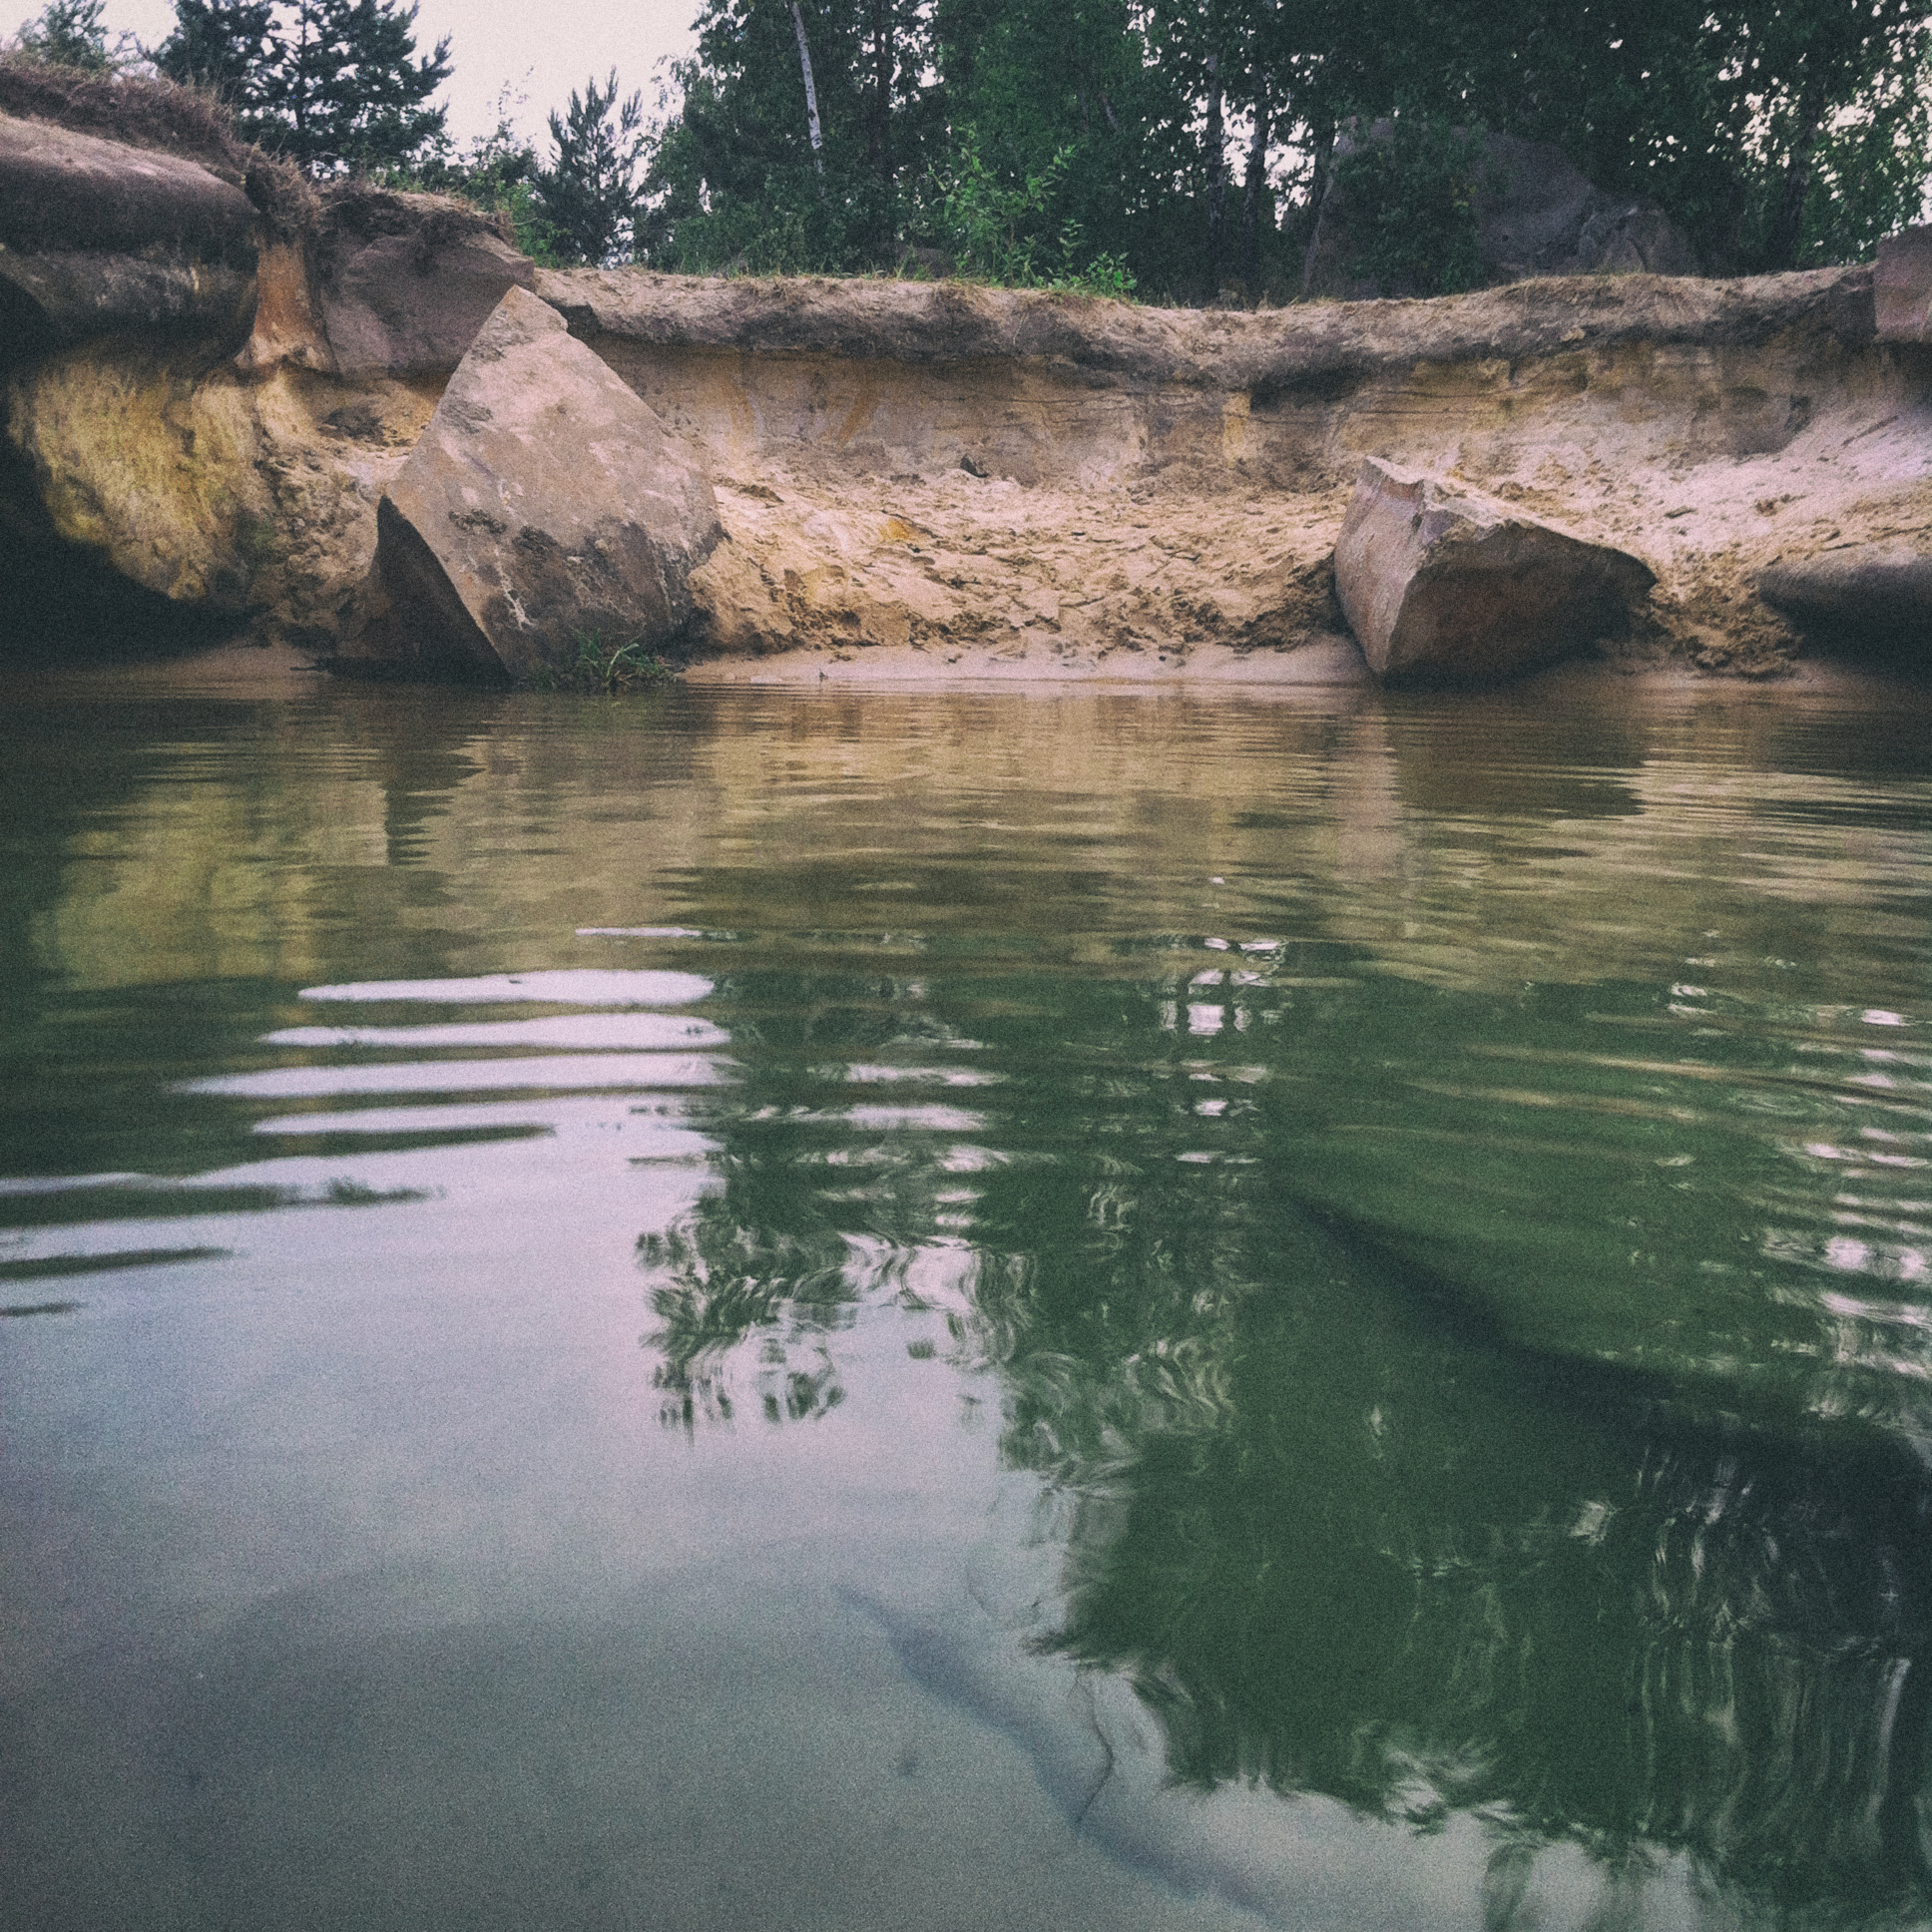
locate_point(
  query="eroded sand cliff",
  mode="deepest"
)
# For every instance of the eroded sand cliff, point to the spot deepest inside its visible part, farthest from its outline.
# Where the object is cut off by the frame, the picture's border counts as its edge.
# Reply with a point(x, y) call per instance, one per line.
point(979, 474)
point(943, 478)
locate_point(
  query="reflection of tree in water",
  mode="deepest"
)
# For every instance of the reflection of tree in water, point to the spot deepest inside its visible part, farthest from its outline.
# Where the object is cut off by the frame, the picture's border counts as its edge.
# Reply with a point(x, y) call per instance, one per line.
point(720, 1280)
point(815, 1213)
point(1341, 1535)
point(1345, 1540)
point(1416, 1576)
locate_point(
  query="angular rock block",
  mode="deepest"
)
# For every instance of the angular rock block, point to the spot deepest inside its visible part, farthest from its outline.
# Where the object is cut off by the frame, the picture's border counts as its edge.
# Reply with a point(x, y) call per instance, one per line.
point(1443, 584)
point(544, 506)
point(406, 281)
point(1902, 287)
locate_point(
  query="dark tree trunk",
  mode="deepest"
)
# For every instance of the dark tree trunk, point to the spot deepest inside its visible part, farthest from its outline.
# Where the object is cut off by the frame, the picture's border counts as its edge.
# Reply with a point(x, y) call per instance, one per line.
point(1216, 178)
point(1788, 217)
point(881, 135)
point(1252, 189)
point(299, 104)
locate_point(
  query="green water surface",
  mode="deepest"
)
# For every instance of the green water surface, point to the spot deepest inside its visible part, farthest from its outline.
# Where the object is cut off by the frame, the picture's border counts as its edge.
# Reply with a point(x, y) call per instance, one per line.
point(844, 1310)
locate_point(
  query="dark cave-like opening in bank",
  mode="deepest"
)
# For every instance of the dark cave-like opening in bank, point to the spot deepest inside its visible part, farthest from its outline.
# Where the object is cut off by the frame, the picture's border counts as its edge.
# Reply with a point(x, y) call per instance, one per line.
point(64, 604)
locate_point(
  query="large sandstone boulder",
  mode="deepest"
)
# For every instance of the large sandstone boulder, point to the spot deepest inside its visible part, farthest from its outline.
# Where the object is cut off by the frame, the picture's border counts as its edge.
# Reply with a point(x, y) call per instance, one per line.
point(1535, 215)
point(1902, 287)
point(1443, 584)
point(1877, 593)
point(100, 238)
point(545, 507)
point(407, 280)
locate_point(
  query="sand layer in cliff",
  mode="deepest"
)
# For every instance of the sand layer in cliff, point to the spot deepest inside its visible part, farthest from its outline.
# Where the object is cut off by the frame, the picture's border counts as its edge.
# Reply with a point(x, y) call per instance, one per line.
point(990, 479)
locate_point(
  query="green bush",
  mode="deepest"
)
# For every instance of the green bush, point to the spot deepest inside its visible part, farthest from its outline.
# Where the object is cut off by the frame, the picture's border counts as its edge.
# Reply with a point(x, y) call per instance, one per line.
point(1005, 231)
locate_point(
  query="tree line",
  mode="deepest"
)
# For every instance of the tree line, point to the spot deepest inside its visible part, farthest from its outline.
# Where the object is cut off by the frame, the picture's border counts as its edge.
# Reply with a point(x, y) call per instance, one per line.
point(1191, 140)
point(1176, 146)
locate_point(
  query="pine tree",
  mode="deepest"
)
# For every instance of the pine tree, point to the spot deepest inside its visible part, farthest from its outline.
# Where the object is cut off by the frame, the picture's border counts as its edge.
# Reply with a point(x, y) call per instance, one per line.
point(346, 89)
point(70, 33)
point(336, 84)
point(225, 45)
point(588, 197)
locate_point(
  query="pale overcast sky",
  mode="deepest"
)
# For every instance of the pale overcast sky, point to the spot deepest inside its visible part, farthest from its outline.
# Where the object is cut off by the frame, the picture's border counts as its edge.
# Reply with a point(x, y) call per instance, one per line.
point(542, 49)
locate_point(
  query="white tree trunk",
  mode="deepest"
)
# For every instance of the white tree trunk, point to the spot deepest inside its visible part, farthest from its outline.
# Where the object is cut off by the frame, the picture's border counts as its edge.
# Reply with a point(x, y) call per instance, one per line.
point(811, 93)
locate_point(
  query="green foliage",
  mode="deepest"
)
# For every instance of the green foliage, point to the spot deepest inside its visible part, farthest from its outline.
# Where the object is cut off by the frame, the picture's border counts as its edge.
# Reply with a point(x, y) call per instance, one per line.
point(1107, 144)
point(1008, 233)
point(587, 199)
point(1412, 197)
point(495, 174)
point(1099, 97)
point(528, 224)
point(1834, 155)
point(334, 85)
point(1867, 178)
point(347, 91)
point(732, 182)
point(71, 33)
point(997, 231)
point(602, 669)
point(937, 117)
point(221, 45)
point(1774, 131)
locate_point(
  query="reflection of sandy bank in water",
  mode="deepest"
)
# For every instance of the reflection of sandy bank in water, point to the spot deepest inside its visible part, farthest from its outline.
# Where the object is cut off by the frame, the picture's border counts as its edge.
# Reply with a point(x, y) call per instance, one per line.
point(1322, 669)
point(1585, 817)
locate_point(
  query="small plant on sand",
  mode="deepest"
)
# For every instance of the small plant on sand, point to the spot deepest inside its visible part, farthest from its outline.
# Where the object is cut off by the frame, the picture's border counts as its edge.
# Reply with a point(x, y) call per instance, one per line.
point(602, 668)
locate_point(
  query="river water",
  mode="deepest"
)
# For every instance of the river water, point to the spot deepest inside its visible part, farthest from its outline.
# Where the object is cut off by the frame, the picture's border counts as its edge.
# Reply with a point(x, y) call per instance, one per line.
point(875, 1310)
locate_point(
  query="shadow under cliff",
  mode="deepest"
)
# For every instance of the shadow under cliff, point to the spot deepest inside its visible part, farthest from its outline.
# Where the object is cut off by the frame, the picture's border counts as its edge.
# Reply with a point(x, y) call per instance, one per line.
point(65, 605)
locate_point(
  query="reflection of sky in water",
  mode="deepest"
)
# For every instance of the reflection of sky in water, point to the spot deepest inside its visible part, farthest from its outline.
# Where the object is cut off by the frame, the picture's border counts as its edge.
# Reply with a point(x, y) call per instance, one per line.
point(1346, 1351)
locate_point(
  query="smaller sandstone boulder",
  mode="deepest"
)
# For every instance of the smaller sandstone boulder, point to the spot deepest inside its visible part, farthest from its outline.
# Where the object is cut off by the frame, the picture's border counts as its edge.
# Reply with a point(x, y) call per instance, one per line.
point(1877, 593)
point(544, 506)
point(1902, 287)
point(406, 281)
point(1627, 239)
point(97, 239)
point(1443, 584)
